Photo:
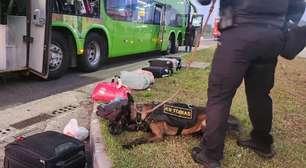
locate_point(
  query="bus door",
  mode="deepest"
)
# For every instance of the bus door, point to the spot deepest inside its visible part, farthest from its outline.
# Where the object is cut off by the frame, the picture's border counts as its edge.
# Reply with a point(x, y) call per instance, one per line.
point(197, 26)
point(38, 38)
point(160, 15)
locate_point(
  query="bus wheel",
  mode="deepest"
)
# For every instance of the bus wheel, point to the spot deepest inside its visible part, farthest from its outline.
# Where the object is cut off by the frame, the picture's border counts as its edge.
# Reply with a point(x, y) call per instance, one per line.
point(166, 52)
point(59, 59)
point(95, 53)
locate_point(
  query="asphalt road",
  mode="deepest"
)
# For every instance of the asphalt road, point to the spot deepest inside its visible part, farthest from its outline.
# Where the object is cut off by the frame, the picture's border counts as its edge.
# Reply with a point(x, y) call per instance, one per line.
point(16, 89)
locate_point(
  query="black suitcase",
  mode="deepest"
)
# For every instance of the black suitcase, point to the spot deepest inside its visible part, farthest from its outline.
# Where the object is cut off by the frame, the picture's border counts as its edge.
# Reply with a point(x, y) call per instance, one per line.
point(179, 59)
point(158, 72)
point(162, 63)
point(45, 150)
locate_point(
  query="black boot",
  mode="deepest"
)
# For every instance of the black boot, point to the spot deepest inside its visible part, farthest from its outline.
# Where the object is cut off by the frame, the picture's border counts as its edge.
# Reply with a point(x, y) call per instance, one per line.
point(199, 156)
point(265, 151)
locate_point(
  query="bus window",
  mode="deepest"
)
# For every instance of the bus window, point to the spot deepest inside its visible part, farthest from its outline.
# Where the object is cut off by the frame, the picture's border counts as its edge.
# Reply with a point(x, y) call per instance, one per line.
point(88, 8)
point(119, 9)
point(157, 15)
point(95, 8)
point(143, 11)
point(173, 18)
point(64, 7)
point(17, 9)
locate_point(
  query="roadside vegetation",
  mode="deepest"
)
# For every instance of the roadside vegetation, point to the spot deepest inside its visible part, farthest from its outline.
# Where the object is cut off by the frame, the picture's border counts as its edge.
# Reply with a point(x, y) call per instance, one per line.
point(289, 127)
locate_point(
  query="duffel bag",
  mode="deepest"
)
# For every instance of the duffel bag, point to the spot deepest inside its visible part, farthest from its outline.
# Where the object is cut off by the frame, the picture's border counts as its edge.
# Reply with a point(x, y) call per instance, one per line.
point(163, 63)
point(175, 63)
point(179, 59)
point(106, 92)
point(158, 72)
point(45, 150)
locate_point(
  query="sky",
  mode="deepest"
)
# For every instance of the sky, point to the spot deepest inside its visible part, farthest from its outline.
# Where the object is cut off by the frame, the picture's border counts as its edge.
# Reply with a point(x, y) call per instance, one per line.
point(204, 10)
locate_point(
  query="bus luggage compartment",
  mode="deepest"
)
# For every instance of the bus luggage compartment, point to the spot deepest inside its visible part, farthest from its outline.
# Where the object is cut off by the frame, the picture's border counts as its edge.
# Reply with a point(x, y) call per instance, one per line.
point(3, 29)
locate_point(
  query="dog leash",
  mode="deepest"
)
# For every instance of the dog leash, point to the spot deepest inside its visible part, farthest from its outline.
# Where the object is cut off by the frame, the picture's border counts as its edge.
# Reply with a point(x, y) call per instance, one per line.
point(188, 63)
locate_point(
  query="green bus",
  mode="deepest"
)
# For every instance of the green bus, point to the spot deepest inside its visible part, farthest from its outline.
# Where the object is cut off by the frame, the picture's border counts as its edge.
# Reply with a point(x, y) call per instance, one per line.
point(49, 36)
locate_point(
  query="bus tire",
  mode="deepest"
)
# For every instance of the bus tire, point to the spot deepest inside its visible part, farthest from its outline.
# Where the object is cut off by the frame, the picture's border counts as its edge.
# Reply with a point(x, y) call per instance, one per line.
point(95, 53)
point(180, 39)
point(59, 57)
point(168, 51)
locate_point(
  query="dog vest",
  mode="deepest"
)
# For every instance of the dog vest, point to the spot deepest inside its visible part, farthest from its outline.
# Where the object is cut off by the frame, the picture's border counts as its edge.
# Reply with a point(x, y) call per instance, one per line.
point(177, 115)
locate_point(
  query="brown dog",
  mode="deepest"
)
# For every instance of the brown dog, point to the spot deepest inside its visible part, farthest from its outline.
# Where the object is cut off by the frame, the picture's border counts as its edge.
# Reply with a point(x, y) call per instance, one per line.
point(160, 129)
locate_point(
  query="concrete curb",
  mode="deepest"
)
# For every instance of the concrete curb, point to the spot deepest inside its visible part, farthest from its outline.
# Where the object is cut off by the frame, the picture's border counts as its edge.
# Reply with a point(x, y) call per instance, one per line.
point(97, 145)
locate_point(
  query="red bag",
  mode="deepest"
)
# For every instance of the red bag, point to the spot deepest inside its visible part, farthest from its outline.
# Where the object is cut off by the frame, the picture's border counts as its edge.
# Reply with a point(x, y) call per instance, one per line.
point(105, 92)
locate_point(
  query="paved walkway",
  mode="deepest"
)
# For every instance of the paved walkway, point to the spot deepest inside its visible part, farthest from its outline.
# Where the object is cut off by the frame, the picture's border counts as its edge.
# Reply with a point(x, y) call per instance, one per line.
point(51, 113)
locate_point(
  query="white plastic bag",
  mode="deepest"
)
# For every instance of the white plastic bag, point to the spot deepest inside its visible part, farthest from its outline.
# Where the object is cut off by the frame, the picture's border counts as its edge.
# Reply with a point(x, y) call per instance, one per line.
point(147, 74)
point(72, 129)
point(134, 80)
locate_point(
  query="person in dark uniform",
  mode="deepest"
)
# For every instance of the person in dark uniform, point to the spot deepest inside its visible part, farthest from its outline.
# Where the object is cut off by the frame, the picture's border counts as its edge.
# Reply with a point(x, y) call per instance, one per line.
point(190, 38)
point(252, 38)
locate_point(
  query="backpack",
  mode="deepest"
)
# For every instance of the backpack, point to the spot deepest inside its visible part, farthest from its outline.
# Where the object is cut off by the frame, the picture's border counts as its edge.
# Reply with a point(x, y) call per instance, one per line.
point(158, 72)
point(117, 112)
